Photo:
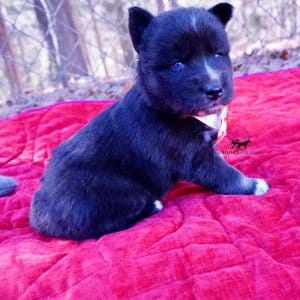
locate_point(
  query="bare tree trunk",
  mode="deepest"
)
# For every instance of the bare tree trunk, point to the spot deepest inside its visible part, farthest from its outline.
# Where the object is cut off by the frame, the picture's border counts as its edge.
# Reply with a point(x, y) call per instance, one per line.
point(46, 31)
point(160, 5)
point(82, 40)
point(98, 38)
point(118, 16)
point(282, 17)
point(70, 53)
point(173, 3)
point(294, 26)
point(243, 11)
point(22, 55)
point(6, 51)
point(124, 38)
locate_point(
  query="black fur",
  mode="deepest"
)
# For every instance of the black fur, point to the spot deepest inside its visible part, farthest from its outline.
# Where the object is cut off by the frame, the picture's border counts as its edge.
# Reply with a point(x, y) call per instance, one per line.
point(223, 11)
point(8, 185)
point(139, 19)
point(108, 175)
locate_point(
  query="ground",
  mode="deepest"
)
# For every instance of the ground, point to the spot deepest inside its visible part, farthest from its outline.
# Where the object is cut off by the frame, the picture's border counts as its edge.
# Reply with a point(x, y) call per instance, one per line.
point(269, 60)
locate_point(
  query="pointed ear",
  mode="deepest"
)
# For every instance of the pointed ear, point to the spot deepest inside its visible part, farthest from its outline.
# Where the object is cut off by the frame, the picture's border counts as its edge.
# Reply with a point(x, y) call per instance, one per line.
point(223, 11)
point(139, 19)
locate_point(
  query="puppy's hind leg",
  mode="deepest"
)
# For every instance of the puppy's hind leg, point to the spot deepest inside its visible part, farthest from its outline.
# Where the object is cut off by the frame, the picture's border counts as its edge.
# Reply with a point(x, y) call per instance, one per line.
point(150, 209)
point(158, 206)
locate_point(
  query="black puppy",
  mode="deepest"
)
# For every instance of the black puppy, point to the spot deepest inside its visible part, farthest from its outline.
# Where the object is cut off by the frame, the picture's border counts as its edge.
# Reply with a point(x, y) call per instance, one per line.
point(113, 172)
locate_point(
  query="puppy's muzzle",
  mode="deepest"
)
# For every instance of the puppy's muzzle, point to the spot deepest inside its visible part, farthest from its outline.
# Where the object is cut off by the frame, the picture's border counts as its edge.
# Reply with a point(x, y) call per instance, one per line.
point(214, 92)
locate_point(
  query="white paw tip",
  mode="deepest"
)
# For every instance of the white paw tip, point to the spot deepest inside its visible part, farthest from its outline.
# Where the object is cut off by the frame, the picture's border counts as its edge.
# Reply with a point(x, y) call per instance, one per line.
point(261, 187)
point(158, 205)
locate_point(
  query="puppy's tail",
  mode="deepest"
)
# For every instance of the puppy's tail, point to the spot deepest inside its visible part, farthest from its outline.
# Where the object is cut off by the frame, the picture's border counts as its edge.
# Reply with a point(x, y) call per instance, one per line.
point(7, 185)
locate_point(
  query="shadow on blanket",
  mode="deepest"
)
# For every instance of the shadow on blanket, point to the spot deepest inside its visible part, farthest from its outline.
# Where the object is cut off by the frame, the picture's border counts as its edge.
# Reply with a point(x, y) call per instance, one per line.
point(201, 245)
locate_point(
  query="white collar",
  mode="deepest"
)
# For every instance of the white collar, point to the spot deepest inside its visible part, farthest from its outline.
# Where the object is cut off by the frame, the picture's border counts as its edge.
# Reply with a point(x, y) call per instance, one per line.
point(217, 121)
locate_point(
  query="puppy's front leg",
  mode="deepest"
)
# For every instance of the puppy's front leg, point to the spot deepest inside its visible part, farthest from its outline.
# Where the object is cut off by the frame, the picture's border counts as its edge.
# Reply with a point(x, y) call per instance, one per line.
point(215, 173)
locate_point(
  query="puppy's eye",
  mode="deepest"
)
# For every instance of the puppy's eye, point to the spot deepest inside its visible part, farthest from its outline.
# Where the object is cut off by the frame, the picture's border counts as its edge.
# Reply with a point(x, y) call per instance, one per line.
point(219, 54)
point(177, 66)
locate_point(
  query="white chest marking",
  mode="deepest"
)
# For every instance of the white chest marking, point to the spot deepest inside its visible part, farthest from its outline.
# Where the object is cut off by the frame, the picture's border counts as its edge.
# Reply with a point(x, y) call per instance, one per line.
point(194, 22)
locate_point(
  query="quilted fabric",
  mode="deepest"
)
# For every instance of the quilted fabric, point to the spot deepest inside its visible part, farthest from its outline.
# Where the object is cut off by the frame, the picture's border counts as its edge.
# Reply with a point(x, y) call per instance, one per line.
point(201, 245)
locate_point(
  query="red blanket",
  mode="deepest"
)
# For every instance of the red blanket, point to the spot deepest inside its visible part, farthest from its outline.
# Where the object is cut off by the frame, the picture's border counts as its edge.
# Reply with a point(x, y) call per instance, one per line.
point(201, 245)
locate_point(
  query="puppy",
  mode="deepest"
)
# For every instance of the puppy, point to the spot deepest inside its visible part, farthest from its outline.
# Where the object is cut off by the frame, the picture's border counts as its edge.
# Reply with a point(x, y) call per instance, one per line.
point(113, 172)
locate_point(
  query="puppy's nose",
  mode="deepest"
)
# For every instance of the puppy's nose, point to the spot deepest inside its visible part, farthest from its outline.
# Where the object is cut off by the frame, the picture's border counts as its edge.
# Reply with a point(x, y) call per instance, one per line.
point(214, 92)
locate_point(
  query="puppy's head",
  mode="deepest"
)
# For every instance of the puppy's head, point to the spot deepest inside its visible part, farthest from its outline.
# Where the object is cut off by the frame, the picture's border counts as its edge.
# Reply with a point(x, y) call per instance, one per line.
point(184, 63)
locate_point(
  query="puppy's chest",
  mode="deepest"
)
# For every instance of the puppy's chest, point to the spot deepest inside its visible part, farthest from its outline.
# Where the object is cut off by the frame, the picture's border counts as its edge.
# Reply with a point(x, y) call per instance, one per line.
point(196, 136)
point(209, 137)
point(184, 145)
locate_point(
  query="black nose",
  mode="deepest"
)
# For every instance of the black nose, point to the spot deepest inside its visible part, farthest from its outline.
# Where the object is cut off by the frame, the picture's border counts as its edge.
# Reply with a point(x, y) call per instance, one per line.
point(214, 92)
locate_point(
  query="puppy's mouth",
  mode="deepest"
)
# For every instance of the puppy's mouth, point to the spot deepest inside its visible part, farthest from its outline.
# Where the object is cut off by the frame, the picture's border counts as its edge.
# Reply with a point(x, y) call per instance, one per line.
point(217, 109)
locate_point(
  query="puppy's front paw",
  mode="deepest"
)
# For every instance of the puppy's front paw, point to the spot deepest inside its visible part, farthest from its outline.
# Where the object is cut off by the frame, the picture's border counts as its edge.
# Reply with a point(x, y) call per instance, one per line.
point(261, 187)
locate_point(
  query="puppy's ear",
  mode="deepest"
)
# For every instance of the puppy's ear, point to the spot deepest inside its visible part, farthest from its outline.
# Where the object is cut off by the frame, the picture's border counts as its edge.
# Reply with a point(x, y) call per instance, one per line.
point(139, 19)
point(223, 11)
